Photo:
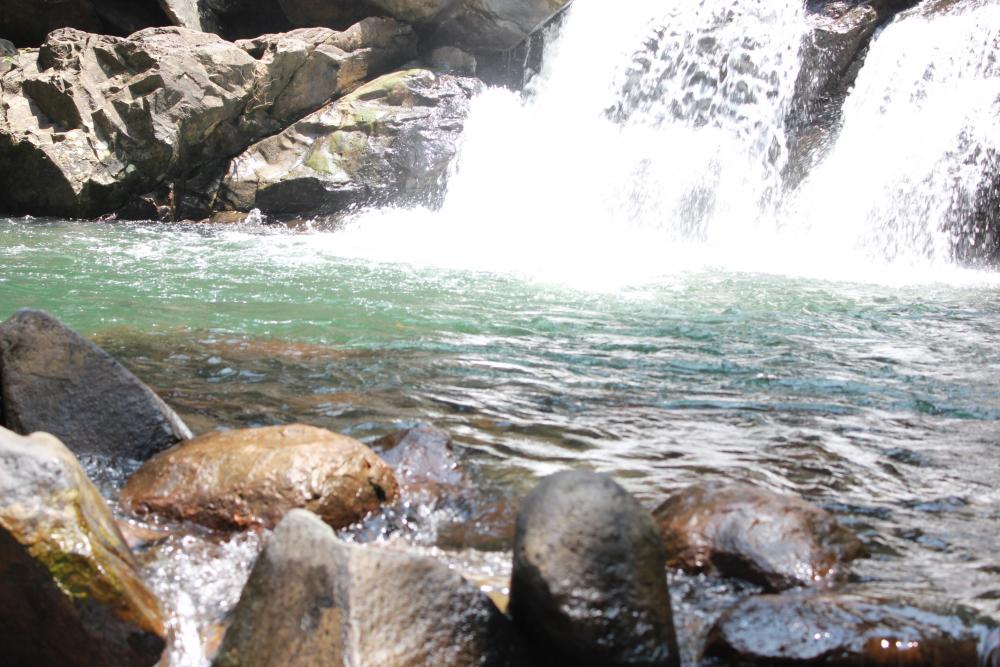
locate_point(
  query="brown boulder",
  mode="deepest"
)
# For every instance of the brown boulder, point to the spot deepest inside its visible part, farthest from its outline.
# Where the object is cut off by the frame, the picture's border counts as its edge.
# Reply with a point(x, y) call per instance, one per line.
point(71, 591)
point(239, 479)
point(54, 380)
point(743, 531)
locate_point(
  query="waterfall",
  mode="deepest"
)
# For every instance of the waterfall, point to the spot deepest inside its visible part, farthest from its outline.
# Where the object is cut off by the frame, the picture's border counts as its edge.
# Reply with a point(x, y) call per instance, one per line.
point(654, 140)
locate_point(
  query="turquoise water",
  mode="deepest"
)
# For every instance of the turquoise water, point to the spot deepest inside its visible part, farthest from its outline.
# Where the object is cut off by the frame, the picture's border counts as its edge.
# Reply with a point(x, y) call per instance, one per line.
point(878, 401)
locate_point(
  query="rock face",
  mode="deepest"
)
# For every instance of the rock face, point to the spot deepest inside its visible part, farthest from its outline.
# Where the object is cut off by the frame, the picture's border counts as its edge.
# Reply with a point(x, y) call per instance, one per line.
point(838, 631)
point(423, 459)
point(588, 584)
point(390, 140)
point(313, 600)
point(253, 477)
point(71, 591)
point(90, 121)
point(743, 531)
point(54, 380)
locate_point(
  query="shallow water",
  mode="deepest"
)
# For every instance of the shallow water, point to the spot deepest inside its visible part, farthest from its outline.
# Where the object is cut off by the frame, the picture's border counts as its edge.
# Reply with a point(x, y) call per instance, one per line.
point(877, 401)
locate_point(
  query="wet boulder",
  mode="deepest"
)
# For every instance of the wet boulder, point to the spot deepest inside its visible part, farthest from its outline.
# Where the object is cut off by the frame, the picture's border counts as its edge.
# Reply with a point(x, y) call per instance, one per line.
point(54, 380)
point(588, 583)
point(423, 459)
point(240, 479)
point(89, 122)
point(313, 600)
point(72, 593)
point(390, 141)
point(743, 531)
point(803, 628)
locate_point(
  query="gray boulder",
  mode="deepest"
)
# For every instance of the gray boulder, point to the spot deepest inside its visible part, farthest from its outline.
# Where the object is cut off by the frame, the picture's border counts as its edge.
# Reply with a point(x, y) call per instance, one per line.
point(71, 590)
point(743, 531)
point(589, 581)
point(7, 48)
point(54, 380)
point(389, 141)
point(313, 600)
point(839, 631)
point(90, 121)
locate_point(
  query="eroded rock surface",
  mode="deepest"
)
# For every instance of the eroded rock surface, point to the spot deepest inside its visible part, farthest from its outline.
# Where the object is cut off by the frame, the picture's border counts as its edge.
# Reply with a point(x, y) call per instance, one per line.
point(588, 584)
point(744, 531)
point(313, 600)
point(389, 141)
point(72, 594)
point(54, 380)
point(253, 477)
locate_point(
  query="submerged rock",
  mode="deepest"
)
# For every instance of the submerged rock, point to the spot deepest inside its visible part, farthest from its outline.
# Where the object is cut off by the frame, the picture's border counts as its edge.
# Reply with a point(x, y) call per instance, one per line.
point(240, 479)
point(803, 628)
point(389, 141)
point(588, 584)
point(54, 380)
point(313, 600)
point(743, 531)
point(91, 121)
point(423, 459)
point(72, 594)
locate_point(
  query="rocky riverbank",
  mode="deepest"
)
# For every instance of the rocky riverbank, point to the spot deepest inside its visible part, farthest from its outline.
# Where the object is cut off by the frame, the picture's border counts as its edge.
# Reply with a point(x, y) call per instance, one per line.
point(592, 568)
point(197, 110)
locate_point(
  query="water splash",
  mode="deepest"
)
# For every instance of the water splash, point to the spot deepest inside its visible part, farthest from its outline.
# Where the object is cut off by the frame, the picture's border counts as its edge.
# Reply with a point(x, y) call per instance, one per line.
point(657, 146)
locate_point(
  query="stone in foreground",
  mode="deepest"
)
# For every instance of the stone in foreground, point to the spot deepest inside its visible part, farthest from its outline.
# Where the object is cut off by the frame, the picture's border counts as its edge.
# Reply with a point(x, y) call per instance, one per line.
point(742, 531)
point(71, 591)
point(589, 583)
point(313, 600)
point(241, 479)
point(54, 380)
point(805, 628)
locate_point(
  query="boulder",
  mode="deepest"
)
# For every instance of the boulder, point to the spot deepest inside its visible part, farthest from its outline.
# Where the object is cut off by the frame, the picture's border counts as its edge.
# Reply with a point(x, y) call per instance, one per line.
point(253, 477)
point(72, 594)
point(91, 121)
point(588, 583)
point(423, 459)
point(7, 48)
point(189, 14)
point(803, 628)
point(389, 141)
point(451, 60)
point(743, 531)
point(313, 600)
point(54, 380)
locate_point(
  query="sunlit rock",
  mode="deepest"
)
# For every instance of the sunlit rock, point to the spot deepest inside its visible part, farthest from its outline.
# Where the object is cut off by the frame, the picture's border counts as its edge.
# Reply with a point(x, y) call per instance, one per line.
point(388, 142)
point(253, 477)
point(743, 531)
point(588, 584)
point(54, 380)
point(72, 594)
point(804, 628)
point(313, 600)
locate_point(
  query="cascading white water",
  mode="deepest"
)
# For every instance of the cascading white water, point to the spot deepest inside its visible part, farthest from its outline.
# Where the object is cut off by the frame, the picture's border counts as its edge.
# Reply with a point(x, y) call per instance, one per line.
point(654, 140)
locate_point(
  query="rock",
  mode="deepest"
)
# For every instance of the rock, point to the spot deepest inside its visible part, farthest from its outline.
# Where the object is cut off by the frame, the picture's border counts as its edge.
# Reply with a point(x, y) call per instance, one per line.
point(803, 628)
point(7, 48)
point(423, 459)
point(28, 22)
point(389, 141)
point(253, 477)
point(72, 594)
point(242, 19)
point(92, 121)
point(588, 584)
point(54, 380)
point(329, 13)
point(450, 60)
point(189, 14)
point(313, 600)
point(743, 531)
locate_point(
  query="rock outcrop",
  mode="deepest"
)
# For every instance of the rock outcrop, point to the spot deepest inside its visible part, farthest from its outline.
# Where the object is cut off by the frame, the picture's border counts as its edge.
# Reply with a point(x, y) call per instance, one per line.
point(839, 631)
point(72, 594)
point(54, 380)
point(313, 600)
point(589, 584)
point(253, 477)
point(743, 531)
point(90, 121)
point(389, 141)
